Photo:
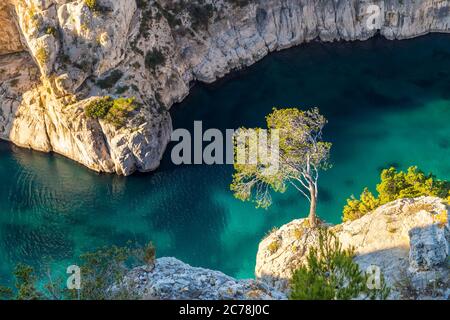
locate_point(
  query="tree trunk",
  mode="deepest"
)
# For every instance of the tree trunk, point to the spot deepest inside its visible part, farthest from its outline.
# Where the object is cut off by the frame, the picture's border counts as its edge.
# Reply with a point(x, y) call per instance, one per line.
point(312, 207)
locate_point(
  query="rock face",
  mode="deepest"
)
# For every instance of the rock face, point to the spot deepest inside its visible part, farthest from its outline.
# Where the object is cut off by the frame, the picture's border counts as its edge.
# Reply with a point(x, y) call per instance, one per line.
point(408, 239)
point(153, 52)
point(9, 35)
point(42, 105)
point(171, 279)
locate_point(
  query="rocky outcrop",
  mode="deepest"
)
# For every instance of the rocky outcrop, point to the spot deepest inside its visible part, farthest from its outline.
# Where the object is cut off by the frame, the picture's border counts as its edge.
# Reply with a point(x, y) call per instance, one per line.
point(42, 102)
point(171, 279)
point(153, 52)
point(408, 239)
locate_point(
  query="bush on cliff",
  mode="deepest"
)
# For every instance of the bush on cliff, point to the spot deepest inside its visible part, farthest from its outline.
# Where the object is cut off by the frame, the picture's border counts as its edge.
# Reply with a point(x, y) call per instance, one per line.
point(200, 15)
point(91, 4)
point(98, 109)
point(239, 3)
point(113, 111)
point(42, 55)
point(331, 274)
point(110, 80)
point(95, 6)
point(396, 185)
point(153, 59)
point(120, 111)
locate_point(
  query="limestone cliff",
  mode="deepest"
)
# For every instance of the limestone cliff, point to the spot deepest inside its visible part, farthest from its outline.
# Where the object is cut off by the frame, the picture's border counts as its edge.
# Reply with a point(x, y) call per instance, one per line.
point(152, 50)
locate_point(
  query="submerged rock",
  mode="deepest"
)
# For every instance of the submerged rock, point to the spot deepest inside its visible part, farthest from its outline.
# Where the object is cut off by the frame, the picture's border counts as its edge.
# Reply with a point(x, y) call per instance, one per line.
point(153, 53)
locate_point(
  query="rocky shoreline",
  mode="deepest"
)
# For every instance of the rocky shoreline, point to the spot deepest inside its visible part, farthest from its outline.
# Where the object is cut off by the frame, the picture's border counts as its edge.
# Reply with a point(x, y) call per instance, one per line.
point(57, 56)
point(403, 238)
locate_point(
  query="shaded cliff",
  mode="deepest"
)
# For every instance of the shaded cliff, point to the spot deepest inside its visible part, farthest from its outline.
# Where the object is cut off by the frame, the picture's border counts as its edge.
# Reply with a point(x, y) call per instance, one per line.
point(153, 50)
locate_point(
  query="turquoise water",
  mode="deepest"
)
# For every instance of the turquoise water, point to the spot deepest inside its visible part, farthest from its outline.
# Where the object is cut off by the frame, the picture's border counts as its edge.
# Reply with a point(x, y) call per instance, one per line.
point(388, 103)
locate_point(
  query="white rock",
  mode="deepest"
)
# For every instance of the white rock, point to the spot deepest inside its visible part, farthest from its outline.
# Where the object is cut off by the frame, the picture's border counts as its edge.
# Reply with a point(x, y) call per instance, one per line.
point(403, 238)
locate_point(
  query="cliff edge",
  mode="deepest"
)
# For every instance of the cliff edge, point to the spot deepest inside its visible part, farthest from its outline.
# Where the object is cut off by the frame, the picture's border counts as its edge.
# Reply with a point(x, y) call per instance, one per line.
point(408, 239)
point(58, 56)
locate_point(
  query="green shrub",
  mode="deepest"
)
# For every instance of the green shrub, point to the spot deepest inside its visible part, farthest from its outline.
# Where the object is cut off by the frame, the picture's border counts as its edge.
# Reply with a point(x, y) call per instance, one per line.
point(41, 55)
point(120, 111)
point(149, 254)
point(239, 3)
point(65, 58)
point(330, 273)
point(25, 285)
point(91, 4)
point(396, 185)
point(172, 20)
point(94, 6)
point(141, 3)
point(99, 108)
point(199, 12)
point(154, 58)
point(356, 208)
point(50, 30)
point(110, 80)
point(274, 246)
point(122, 89)
point(101, 270)
point(200, 15)
point(113, 111)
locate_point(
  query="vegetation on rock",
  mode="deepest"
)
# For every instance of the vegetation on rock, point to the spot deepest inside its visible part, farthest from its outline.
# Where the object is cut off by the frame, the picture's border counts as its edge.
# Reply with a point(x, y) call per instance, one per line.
point(331, 274)
point(239, 3)
point(110, 80)
point(50, 30)
point(95, 6)
point(113, 111)
point(41, 55)
point(122, 89)
point(396, 185)
point(153, 59)
point(91, 4)
point(200, 13)
point(274, 246)
point(98, 109)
